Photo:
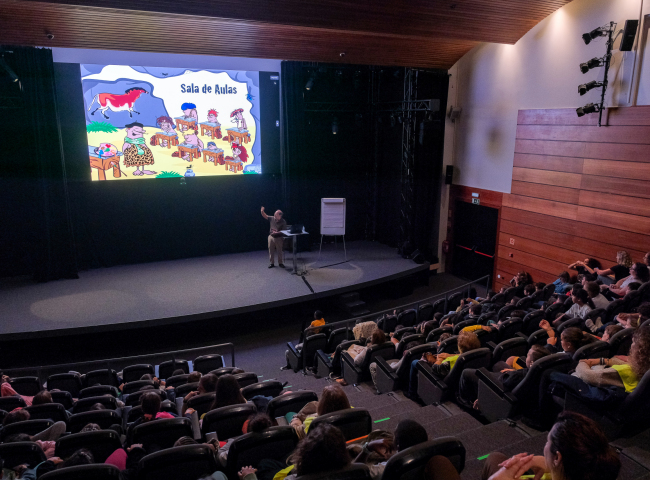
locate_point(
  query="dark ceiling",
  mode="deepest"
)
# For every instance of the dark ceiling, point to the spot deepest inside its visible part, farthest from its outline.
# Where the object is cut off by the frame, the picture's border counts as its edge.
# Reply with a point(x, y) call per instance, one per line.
point(418, 33)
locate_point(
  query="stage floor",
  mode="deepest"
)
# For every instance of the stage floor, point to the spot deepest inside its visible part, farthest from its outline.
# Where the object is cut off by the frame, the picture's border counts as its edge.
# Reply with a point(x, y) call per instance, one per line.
point(190, 289)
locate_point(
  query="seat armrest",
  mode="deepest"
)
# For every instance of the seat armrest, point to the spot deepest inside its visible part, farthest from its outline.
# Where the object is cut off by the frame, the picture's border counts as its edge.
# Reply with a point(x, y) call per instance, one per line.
point(293, 349)
point(281, 421)
point(324, 357)
point(424, 367)
point(481, 374)
point(522, 335)
point(491, 345)
point(196, 427)
point(382, 364)
point(347, 358)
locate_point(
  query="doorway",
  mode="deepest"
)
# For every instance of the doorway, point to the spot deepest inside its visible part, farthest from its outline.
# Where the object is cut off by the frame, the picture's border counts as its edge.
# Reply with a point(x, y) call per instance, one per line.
point(475, 239)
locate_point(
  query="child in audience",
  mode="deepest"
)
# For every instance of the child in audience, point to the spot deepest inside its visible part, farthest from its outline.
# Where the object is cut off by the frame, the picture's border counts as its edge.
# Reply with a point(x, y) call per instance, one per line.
point(598, 299)
point(255, 424)
point(228, 392)
point(207, 384)
point(520, 281)
point(571, 339)
point(582, 305)
point(529, 290)
point(562, 284)
point(318, 321)
point(332, 399)
point(588, 265)
point(610, 331)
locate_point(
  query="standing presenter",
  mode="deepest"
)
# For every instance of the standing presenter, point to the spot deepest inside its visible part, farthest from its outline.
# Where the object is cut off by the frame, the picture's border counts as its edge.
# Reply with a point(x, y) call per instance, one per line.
point(275, 237)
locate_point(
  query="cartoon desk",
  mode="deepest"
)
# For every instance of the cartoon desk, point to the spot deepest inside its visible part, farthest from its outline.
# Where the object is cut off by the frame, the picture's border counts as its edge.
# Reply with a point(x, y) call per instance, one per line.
point(243, 135)
point(104, 163)
point(164, 139)
point(212, 130)
point(215, 156)
point(234, 165)
point(191, 150)
point(185, 123)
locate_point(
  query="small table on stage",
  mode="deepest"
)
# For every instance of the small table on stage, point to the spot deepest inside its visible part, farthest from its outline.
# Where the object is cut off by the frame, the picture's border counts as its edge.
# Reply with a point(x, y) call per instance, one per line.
point(243, 135)
point(184, 123)
point(104, 163)
point(160, 137)
point(213, 129)
point(192, 150)
point(295, 245)
point(215, 156)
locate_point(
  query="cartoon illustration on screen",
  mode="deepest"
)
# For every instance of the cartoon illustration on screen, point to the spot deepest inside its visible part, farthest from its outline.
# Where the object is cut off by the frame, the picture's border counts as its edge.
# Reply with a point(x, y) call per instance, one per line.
point(136, 152)
point(169, 117)
point(117, 103)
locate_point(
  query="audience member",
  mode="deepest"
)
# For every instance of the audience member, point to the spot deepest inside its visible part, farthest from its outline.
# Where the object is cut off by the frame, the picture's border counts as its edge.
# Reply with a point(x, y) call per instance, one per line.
point(332, 399)
point(576, 449)
point(520, 281)
point(207, 384)
point(358, 353)
point(598, 299)
point(571, 339)
point(582, 305)
point(618, 271)
point(562, 284)
point(42, 398)
point(610, 331)
point(588, 265)
point(228, 392)
point(638, 273)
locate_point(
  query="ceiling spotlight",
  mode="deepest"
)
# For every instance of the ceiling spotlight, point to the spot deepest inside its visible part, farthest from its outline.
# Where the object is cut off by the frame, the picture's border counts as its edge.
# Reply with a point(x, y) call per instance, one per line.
point(597, 32)
point(335, 126)
point(589, 108)
point(584, 88)
point(310, 82)
point(593, 63)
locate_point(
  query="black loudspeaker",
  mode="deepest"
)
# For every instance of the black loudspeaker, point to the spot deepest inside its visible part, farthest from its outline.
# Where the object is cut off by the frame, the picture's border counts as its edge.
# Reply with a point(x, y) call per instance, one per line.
point(417, 257)
point(629, 32)
point(449, 174)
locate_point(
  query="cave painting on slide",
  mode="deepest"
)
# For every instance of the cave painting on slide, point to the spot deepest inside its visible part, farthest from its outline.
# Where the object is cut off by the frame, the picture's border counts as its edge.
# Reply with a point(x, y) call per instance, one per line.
point(151, 122)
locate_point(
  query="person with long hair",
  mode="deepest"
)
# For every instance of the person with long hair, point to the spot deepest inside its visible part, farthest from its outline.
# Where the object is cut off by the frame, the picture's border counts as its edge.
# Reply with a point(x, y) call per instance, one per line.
point(638, 273)
point(618, 271)
point(332, 399)
point(228, 392)
point(576, 449)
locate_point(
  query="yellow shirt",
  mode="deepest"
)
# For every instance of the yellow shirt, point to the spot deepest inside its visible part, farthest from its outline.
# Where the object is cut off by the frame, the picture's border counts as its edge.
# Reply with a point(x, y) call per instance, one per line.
point(317, 323)
point(627, 377)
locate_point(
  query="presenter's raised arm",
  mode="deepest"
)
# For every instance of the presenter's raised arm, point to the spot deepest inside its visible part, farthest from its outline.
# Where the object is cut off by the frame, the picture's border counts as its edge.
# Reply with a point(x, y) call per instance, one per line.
point(264, 214)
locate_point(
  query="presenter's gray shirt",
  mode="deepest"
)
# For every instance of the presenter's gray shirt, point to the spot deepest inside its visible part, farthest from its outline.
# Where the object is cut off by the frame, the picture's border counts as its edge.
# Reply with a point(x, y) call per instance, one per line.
point(277, 225)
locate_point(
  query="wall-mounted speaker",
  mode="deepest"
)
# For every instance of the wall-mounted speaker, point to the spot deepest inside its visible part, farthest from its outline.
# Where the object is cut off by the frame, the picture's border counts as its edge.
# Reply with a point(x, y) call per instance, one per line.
point(629, 32)
point(449, 175)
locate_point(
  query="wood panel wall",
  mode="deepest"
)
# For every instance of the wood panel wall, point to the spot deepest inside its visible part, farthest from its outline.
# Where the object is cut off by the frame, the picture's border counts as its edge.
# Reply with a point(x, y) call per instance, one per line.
point(578, 191)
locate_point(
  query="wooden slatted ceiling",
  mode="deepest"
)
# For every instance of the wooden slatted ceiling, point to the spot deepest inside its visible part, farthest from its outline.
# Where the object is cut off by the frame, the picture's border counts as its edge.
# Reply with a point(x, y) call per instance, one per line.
point(578, 191)
point(418, 33)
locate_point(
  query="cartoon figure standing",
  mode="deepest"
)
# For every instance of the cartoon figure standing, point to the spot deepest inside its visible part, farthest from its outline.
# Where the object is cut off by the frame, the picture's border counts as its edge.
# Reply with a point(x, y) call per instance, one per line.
point(117, 102)
point(136, 152)
point(238, 118)
point(166, 124)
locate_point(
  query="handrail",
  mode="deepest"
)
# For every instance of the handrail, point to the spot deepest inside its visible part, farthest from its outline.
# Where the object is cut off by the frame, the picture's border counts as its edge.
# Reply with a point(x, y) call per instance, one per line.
point(44, 371)
point(374, 316)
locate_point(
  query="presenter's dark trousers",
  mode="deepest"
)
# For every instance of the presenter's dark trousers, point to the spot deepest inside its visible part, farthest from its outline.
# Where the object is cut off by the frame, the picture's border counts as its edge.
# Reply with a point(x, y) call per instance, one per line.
point(275, 246)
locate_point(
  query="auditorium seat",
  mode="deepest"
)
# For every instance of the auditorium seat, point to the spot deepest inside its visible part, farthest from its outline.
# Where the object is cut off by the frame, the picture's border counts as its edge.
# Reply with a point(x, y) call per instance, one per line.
point(101, 443)
point(439, 306)
point(177, 380)
point(64, 398)
point(449, 345)
point(536, 297)
point(549, 290)
point(539, 337)
point(304, 358)
point(434, 334)
point(354, 471)
point(411, 462)
point(84, 404)
point(201, 403)
point(98, 390)
point(270, 388)
point(101, 377)
point(613, 309)
point(644, 292)
point(135, 372)
point(407, 340)
point(136, 385)
point(227, 422)
point(188, 461)
point(453, 301)
point(165, 369)
point(224, 370)
point(162, 433)
point(531, 321)
point(186, 388)
point(568, 323)
point(388, 380)
point(326, 365)
point(21, 453)
point(336, 337)
point(48, 411)
point(275, 443)
point(387, 323)
point(524, 303)
point(432, 389)
point(104, 418)
point(246, 378)
point(425, 312)
point(495, 404)
point(400, 332)
point(632, 300)
point(505, 311)
point(554, 310)
point(512, 347)
point(136, 412)
point(84, 472)
point(407, 318)
point(465, 323)
point(30, 427)
point(290, 402)
point(206, 363)
point(68, 382)
point(510, 293)
point(498, 299)
point(29, 386)
point(353, 422)
point(621, 342)
point(135, 398)
point(597, 349)
point(596, 314)
point(353, 373)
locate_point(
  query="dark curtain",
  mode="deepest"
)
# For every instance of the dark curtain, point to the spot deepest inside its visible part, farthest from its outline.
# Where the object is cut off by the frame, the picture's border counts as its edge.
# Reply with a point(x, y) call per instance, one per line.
point(40, 169)
point(293, 129)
